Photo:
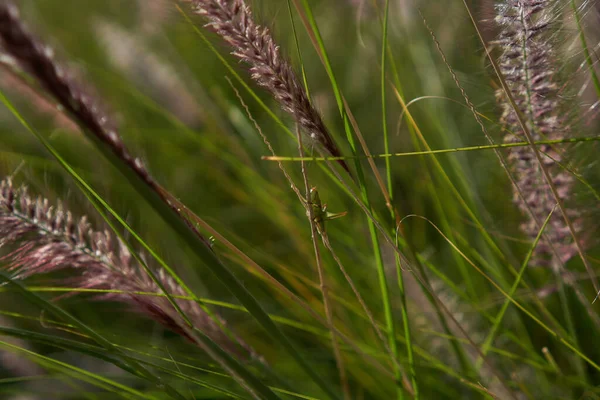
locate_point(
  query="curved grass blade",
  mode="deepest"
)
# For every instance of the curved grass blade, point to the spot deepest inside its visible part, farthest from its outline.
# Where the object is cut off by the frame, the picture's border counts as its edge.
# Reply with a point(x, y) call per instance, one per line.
point(539, 322)
point(297, 325)
point(99, 353)
point(584, 46)
point(133, 367)
point(498, 319)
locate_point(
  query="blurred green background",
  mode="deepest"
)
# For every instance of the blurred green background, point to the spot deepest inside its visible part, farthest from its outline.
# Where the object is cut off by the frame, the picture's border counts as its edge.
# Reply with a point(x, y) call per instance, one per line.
point(170, 95)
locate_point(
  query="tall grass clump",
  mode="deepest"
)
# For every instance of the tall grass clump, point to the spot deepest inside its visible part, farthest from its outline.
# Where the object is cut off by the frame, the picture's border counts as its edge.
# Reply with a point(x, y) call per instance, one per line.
point(455, 258)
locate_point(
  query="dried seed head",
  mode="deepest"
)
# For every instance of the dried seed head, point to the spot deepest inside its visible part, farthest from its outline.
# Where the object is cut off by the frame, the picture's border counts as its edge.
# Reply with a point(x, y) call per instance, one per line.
point(528, 65)
point(43, 240)
point(38, 59)
point(33, 56)
point(254, 44)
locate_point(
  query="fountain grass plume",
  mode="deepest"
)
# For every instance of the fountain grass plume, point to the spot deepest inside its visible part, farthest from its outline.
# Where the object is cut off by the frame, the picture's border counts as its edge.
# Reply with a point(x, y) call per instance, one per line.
point(43, 238)
point(80, 102)
point(253, 44)
point(528, 63)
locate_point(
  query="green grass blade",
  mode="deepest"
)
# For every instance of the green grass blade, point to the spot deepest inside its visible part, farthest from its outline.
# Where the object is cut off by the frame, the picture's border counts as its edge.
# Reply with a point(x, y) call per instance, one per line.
point(498, 319)
point(586, 51)
point(383, 286)
point(386, 142)
point(82, 374)
point(535, 319)
point(63, 315)
point(406, 326)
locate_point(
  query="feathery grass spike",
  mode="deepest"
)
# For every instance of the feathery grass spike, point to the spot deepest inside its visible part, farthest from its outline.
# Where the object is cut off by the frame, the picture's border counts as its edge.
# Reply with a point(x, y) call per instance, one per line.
point(528, 65)
point(79, 101)
point(46, 238)
point(233, 21)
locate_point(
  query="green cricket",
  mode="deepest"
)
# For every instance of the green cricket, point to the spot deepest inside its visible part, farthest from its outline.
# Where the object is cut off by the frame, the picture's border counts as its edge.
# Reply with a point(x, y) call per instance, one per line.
point(320, 213)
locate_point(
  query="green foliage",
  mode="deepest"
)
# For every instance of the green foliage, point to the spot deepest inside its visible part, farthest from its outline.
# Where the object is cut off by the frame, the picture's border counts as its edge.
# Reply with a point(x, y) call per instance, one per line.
point(426, 288)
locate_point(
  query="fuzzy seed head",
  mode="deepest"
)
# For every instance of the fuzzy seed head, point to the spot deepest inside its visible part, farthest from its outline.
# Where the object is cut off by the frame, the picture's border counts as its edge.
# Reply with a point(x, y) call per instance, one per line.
point(45, 239)
point(253, 44)
point(528, 64)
